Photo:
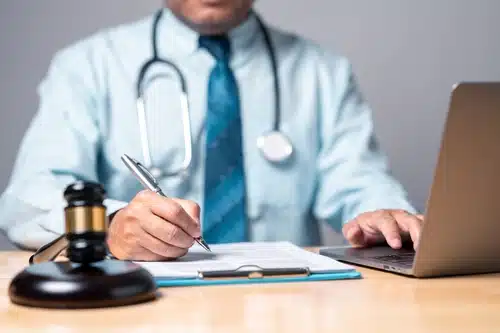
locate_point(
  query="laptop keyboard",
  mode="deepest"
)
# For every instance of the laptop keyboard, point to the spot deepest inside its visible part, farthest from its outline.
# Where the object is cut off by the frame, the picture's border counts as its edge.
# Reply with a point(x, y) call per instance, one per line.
point(403, 258)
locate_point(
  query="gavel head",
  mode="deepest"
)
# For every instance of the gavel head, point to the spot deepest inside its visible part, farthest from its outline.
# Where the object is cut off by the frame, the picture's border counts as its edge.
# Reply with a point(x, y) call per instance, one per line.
point(86, 222)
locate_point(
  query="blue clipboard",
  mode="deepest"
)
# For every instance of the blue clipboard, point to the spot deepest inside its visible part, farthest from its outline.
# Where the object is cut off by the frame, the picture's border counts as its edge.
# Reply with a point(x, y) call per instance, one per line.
point(258, 276)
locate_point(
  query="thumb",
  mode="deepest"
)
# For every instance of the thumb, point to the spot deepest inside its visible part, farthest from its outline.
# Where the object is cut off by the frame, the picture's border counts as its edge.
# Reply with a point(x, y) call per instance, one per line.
point(354, 234)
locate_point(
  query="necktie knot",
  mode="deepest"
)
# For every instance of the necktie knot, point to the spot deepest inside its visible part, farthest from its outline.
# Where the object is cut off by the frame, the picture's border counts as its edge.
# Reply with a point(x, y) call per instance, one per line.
point(218, 46)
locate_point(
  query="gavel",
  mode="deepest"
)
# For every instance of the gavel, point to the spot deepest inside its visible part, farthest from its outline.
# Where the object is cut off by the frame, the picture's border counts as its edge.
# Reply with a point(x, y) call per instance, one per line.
point(89, 278)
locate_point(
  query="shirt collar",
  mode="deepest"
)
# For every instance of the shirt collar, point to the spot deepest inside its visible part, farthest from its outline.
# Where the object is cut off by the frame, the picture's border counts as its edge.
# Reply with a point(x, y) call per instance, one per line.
point(177, 40)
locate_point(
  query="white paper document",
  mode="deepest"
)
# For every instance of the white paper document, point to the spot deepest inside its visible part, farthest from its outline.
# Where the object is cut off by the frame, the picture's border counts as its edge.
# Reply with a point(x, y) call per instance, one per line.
point(243, 256)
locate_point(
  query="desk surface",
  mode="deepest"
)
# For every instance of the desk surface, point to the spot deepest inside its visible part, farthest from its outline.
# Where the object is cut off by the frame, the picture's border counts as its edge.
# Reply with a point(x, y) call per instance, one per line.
point(380, 302)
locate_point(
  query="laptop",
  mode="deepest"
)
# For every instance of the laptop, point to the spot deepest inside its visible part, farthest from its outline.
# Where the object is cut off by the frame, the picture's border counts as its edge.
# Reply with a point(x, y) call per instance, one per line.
point(461, 230)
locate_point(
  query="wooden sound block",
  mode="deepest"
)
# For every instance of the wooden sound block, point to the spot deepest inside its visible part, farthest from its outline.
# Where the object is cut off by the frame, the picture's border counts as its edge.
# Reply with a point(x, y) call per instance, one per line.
point(67, 285)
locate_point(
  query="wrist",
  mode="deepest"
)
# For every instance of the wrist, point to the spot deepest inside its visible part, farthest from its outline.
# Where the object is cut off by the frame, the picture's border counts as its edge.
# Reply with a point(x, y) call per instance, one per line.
point(110, 220)
point(112, 215)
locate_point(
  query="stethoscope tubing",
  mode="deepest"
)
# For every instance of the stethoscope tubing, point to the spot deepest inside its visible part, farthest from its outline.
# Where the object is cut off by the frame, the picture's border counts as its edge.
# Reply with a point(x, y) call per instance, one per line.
point(187, 137)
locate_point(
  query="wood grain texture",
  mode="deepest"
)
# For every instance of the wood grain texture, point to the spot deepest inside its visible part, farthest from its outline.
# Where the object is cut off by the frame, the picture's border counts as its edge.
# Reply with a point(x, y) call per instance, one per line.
point(380, 302)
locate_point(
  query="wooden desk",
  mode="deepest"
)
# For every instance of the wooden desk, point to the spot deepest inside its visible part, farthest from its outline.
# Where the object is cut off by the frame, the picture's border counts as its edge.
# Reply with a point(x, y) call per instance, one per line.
point(381, 302)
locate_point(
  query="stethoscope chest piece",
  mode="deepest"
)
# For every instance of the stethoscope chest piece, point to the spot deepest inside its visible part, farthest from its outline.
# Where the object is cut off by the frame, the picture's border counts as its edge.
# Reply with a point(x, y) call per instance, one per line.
point(275, 147)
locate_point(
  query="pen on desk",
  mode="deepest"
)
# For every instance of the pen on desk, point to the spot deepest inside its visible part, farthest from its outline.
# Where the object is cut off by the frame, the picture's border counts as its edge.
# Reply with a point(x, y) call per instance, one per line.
point(149, 182)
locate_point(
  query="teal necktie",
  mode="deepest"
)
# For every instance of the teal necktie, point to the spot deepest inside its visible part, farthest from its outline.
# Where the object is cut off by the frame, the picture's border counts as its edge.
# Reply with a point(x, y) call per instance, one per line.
point(224, 213)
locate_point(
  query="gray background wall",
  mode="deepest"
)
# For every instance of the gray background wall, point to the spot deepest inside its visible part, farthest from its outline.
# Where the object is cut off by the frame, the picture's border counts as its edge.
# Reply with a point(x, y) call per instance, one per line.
point(407, 55)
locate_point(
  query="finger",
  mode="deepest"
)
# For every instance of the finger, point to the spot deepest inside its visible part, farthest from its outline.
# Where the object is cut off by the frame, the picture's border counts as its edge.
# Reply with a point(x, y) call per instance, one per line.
point(389, 228)
point(171, 211)
point(166, 232)
point(411, 224)
point(354, 234)
point(144, 254)
point(125, 249)
point(154, 245)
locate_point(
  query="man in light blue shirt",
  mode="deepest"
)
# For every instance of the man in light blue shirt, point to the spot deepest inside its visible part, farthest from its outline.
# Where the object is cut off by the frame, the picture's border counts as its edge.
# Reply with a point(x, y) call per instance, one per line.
point(87, 119)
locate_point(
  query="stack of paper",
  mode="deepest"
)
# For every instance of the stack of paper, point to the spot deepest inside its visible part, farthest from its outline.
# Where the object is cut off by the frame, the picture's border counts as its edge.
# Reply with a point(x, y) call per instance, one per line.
point(244, 256)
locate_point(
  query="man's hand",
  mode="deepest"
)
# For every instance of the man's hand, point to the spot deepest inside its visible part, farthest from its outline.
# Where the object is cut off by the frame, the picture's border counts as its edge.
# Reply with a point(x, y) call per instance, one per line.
point(391, 226)
point(154, 228)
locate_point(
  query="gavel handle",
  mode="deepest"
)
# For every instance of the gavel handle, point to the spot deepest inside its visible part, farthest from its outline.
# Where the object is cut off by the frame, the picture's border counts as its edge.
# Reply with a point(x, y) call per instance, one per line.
point(50, 251)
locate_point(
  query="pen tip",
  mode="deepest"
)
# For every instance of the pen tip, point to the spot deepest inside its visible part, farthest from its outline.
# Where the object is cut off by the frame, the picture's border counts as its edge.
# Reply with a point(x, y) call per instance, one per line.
point(204, 244)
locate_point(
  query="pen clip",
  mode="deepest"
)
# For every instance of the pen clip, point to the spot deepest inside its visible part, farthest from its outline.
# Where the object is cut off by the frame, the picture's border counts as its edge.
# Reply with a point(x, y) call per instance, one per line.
point(142, 173)
point(146, 171)
point(242, 272)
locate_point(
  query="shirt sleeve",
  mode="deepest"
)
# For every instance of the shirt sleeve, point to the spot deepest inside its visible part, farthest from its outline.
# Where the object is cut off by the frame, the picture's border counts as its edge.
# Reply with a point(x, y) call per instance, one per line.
point(60, 146)
point(353, 172)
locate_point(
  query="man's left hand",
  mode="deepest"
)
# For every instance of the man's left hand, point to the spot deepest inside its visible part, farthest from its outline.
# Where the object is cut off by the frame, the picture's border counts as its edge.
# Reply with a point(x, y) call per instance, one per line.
point(391, 226)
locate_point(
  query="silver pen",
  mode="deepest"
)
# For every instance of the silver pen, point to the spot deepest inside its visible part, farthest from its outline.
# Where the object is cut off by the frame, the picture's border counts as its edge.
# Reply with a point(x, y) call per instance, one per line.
point(148, 181)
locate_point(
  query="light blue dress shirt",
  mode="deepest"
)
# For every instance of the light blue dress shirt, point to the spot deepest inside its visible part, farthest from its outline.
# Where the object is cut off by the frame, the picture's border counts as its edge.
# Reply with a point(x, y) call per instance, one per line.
point(87, 119)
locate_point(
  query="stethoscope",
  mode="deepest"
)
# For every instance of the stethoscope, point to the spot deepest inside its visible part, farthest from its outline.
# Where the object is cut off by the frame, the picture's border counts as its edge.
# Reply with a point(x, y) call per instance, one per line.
point(274, 146)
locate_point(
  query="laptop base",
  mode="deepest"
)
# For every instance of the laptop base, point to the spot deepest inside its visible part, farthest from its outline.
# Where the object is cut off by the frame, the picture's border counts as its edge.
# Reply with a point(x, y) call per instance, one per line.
point(379, 257)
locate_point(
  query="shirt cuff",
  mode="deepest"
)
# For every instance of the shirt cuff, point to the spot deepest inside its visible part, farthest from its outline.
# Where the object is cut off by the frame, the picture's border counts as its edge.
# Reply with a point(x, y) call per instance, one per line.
point(113, 206)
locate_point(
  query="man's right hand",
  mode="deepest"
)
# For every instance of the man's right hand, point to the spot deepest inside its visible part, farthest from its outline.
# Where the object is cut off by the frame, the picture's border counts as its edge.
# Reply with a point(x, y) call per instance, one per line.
point(154, 228)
